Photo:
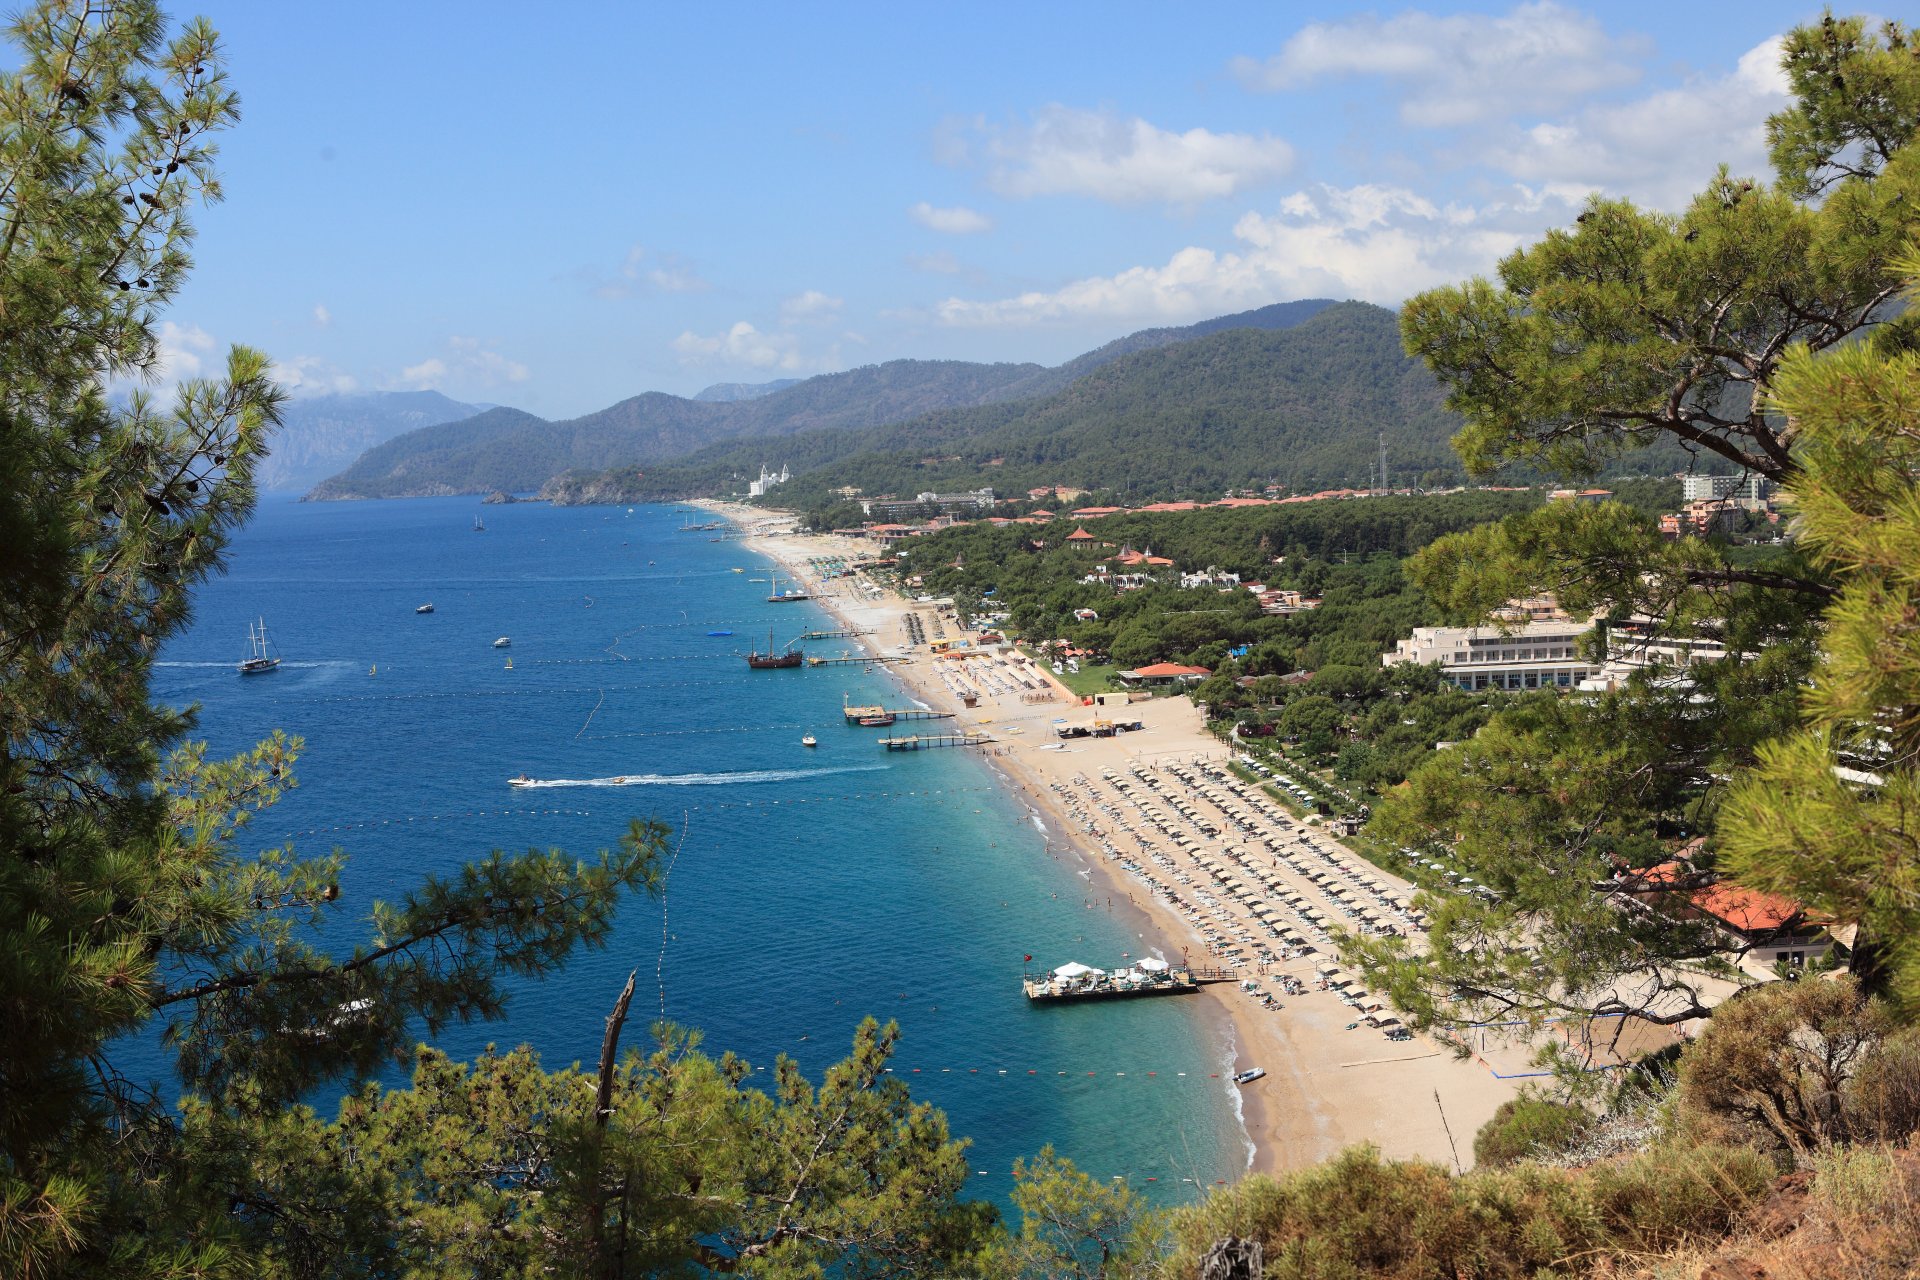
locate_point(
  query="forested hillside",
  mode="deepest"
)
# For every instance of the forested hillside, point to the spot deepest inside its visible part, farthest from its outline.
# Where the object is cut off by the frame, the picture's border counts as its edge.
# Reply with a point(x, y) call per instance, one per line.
point(480, 454)
point(485, 453)
point(320, 434)
point(1302, 405)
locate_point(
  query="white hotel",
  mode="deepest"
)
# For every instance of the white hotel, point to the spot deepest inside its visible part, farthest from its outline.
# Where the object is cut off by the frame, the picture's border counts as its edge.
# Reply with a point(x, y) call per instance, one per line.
point(1543, 654)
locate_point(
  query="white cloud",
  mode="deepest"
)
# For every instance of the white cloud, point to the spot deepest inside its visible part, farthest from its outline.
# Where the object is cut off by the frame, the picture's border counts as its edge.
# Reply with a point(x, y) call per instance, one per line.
point(1458, 68)
point(466, 363)
point(1371, 242)
point(180, 352)
point(1066, 151)
point(956, 221)
point(642, 273)
point(313, 375)
point(744, 345)
point(322, 316)
point(811, 304)
point(1660, 148)
point(430, 372)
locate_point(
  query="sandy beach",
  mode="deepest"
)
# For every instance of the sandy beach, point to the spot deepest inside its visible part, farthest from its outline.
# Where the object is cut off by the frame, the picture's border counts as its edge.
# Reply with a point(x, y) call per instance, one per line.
point(1332, 1080)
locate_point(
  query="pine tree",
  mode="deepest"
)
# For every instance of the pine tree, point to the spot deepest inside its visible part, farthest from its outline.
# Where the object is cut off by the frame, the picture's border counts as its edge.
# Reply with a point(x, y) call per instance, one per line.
point(124, 895)
point(1703, 329)
point(1831, 815)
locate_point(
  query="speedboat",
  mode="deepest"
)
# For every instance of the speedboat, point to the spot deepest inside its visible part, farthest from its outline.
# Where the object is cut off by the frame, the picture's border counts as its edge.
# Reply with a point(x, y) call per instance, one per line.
point(522, 781)
point(503, 642)
point(425, 608)
point(809, 741)
point(1249, 1075)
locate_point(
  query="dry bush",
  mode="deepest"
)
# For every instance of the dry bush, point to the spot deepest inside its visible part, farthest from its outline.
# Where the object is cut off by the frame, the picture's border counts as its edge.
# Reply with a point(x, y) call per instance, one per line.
point(1360, 1216)
point(1802, 1066)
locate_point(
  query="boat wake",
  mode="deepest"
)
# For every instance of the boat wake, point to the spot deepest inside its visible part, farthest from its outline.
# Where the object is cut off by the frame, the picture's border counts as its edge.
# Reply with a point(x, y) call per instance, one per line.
point(699, 779)
point(285, 665)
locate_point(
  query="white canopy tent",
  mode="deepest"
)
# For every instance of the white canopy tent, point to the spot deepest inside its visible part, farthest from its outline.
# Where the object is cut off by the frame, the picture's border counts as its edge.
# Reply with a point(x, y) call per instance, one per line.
point(1074, 969)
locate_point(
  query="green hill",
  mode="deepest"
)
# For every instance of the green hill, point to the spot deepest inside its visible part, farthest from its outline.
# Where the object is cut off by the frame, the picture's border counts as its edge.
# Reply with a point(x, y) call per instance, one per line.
point(1303, 405)
point(484, 453)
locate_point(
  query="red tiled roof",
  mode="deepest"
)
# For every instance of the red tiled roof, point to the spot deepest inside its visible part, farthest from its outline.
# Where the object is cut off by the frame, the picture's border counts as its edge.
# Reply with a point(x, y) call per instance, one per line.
point(1244, 502)
point(1079, 535)
point(1171, 669)
point(1748, 910)
point(1172, 506)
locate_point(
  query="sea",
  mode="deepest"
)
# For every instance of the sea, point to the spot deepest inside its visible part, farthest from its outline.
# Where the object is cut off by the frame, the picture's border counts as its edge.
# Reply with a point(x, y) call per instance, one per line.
point(809, 887)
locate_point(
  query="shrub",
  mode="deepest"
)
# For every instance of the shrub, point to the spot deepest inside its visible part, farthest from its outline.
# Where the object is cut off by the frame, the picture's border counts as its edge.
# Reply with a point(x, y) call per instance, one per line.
point(1360, 1216)
point(1525, 1127)
point(1801, 1066)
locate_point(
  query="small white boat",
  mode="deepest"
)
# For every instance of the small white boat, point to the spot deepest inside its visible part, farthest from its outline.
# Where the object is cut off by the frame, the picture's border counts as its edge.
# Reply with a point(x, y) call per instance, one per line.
point(809, 741)
point(1249, 1075)
point(522, 781)
point(503, 642)
point(425, 608)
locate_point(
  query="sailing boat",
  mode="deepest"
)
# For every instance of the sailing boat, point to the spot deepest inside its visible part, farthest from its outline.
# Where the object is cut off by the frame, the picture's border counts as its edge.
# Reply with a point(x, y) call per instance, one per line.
point(258, 662)
point(771, 661)
point(479, 525)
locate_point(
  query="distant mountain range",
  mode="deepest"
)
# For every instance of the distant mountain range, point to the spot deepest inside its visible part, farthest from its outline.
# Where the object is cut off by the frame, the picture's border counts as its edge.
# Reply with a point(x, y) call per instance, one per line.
point(321, 434)
point(516, 452)
point(1305, 405)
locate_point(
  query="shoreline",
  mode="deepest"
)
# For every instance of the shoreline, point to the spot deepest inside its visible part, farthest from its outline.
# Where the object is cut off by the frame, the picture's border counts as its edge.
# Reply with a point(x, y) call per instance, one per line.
point(1328, 1084)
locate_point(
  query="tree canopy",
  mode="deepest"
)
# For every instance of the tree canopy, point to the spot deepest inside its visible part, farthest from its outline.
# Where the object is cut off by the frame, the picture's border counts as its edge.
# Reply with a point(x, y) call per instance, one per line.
point(1761, 327)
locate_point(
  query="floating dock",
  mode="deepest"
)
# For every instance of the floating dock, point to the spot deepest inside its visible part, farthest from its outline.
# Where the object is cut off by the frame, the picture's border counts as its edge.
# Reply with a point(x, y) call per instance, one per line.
point(856, 714)
point(928, 741)
point(1064, 986)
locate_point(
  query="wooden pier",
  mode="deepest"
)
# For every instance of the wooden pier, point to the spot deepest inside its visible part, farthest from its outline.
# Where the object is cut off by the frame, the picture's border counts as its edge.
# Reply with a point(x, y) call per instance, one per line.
point(850, 661)
point(855, 715)
point(928, 741)
point(849, 634)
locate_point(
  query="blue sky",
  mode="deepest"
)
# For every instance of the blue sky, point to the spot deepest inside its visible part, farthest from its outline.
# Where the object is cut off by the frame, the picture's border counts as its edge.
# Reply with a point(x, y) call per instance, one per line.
point(558, 207)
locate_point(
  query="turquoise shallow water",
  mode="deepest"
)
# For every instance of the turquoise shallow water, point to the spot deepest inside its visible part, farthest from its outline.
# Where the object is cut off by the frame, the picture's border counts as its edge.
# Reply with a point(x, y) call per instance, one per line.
point(812, 887)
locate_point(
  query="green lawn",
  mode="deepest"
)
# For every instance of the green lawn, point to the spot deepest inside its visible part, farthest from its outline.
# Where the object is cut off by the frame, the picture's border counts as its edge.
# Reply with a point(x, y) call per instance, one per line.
point(1090, 679)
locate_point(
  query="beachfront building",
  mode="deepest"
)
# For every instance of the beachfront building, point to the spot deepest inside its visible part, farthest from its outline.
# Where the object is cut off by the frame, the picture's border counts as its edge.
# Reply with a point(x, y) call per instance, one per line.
point(930, 503)
point(1764, 930)
point(767, 480)
point(1535, 655)
point(1164, 675)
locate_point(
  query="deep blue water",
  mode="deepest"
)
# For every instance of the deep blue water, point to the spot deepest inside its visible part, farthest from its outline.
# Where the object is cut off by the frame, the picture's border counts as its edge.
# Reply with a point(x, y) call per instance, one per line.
point(812, 886)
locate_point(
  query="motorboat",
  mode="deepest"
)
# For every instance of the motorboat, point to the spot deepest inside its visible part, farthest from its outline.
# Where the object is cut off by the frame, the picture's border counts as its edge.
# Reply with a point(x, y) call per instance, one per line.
point(1249, 1075)
point(258, 661)
point(503, 642)
point(425, 608)
point(809, 741)
point(876, 722)
point(522, 781)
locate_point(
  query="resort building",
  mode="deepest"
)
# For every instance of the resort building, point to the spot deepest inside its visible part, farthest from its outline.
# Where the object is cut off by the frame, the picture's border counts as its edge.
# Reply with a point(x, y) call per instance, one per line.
point(974, 500)
point(1761, 929)
point(1164, 675)
point(767, 480)
point(1536, 655)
